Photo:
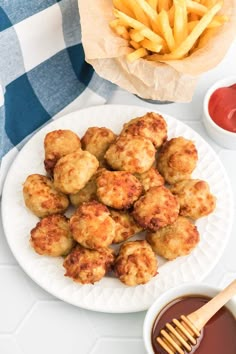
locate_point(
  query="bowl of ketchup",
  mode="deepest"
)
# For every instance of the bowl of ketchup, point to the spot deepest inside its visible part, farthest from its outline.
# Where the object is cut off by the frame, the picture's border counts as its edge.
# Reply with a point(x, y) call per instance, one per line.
point(219, 334)
point(219, 112)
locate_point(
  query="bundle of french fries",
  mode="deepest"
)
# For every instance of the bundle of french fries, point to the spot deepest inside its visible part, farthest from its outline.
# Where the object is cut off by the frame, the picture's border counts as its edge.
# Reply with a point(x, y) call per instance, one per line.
point(162, 30)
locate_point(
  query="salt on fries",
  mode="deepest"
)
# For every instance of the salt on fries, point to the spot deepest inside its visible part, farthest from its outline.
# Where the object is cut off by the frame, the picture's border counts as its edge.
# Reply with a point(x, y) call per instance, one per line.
point(162, 30)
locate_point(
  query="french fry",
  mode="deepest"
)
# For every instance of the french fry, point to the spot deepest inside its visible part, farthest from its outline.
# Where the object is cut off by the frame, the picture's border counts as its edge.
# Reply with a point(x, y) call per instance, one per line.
point(193, 17)
point(153, 4)
point(120, 5)
point(180, 21)
point(138, 12)
point(151, 13)
point(137, 54)
point(145, 31)
point(136, 36)
point(196, 8)
point(206, 36)
point(122, 31)
point(162, 30)
point(186, 45)
point(163, 5)
point(171, 14)
point(152, 46)
point(191, 25)
point(134, 44)
point(166, 29)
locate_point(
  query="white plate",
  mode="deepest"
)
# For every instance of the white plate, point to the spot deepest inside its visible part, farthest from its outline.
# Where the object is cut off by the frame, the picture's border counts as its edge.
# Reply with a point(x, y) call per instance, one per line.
point(110, 295)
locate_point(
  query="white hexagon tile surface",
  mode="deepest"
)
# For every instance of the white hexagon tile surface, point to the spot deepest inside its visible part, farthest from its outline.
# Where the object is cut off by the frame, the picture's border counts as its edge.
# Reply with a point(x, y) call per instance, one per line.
point(34, 322)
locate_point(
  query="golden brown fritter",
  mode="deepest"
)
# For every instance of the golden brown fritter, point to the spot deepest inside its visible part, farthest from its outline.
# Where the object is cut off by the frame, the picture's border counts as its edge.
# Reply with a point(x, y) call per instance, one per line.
point(41, 197)
point(151, 126)
point(177, 159)
point(118, 189)
point(194, 197)
point(150, 178)
point(89, 192)
point(52, 237)
point(175, 240)
point(131, 154)
point(136, 263)
point(87, 266)
point(86, 194)
point(59, 143)
point(97, 141)
point(74, 170)
point(92, 225)
point(157, 208)
point(126, 227)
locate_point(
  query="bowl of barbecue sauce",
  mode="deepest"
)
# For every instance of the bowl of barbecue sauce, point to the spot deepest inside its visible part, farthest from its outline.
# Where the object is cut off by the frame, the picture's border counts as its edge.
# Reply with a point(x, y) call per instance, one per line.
point(219, 112)
point(217, 337)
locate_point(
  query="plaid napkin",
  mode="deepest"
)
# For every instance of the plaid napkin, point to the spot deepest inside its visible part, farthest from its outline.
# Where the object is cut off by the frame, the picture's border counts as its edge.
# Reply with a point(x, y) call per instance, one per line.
point(42, 69)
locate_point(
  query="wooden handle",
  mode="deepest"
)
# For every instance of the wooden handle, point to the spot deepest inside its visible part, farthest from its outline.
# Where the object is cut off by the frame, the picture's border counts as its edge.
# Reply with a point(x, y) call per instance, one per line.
point(201, 316)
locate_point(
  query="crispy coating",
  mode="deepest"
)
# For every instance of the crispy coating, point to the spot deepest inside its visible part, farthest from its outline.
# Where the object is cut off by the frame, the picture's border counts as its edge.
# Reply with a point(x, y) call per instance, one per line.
point(151, 126)
point(126, 227)
point(92, 225)
point(87, 266)
point(175, 240)
point(52, 237)
point(89, 192)
point(157, 208)
point(136, 263)
point(150, 178)
point(86, 194)
point(41, 197)
point(74, 170)
point(97, 141)
point(59, 143)
point(132, 154)
point(118, 189)
point(177, 159)
point(194, 197)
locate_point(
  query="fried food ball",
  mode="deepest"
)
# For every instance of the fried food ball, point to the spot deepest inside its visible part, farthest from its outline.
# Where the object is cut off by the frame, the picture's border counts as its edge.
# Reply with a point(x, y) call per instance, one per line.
point(41, 197)
point(194, 197)
point(151, 126)
point(74, 170)
point(92, 225)
point(175, 240)
point(177, 159)
point(97, 141)
point(51, 236)
point(131, 154)
point(150, 178)
point(126, 227)
point(89, 192)
point(136, 263)
point(59, 143)
point(118, 189)
point(87, 266)
point(86, 194)
point(157, 208)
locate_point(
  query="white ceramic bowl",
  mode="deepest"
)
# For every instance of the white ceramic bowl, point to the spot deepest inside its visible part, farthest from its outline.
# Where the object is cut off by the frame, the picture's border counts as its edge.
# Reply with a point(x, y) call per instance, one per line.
point(165, 298)
point(221, 136)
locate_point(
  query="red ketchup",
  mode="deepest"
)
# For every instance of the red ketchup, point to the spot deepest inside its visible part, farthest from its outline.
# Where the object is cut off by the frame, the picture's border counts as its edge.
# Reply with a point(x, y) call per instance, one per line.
point(222, 107)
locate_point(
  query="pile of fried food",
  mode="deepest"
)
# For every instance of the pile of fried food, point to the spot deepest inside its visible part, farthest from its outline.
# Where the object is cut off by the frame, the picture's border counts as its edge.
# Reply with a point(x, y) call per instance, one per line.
point(119, 186)
point(162, 30)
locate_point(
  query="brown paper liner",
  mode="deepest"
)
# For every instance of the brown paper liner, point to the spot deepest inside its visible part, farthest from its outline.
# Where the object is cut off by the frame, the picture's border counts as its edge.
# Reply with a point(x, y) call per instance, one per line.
point(174, 80)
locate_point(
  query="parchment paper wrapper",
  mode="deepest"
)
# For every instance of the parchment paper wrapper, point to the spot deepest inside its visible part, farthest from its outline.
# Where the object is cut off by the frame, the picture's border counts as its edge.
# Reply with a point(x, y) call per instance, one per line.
point(171, 81)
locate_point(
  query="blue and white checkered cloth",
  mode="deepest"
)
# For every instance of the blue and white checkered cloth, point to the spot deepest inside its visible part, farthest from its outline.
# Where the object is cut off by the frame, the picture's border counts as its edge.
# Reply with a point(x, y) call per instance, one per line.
point(42, 69)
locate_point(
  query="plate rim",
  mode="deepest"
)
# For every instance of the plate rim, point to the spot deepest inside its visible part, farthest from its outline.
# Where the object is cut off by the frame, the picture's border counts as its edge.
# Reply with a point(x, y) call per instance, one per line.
point(103, 308)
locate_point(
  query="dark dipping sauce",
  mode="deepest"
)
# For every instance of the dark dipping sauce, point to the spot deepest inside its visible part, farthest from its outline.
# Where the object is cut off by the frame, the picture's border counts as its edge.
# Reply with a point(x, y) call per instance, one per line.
point(218, 335)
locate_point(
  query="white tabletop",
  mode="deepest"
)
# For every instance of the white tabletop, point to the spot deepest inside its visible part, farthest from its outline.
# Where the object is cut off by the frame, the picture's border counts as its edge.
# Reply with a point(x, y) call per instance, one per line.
point(34, 322)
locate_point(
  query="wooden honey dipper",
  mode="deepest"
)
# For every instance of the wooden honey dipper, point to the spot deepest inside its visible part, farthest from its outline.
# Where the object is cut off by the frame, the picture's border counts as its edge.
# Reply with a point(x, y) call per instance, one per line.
point(180, 336)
